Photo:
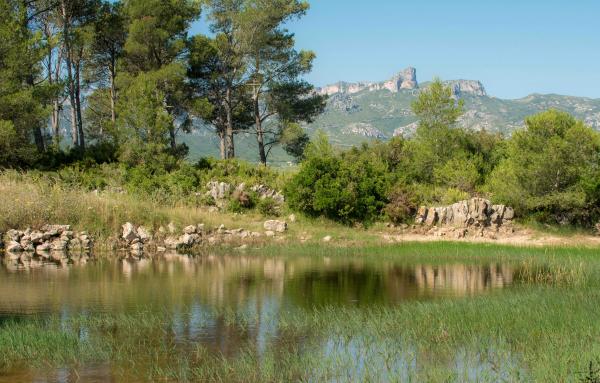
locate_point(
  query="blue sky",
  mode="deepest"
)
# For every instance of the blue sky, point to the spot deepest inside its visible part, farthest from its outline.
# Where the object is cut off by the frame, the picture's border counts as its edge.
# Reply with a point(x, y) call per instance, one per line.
point(514, 47)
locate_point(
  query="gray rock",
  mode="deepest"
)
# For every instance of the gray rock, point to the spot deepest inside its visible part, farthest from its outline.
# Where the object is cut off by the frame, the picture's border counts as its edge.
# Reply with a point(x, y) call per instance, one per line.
point(58, 229)
point(14, 235)
point(129, 232)
point(327, 238)
point(171, 243)
point(190, 229)
point(475, 212)
point(59, 245)
point(275, 225)
point(14, 247)
point(421, 215)
point(432, 217)
point(46, 246)
point(143, 234)
point(189, 239)
point(218, 190)
point(37, 237)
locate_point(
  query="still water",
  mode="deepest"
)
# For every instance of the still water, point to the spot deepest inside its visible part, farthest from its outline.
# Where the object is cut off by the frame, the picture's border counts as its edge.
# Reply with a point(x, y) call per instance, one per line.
point(191, 287)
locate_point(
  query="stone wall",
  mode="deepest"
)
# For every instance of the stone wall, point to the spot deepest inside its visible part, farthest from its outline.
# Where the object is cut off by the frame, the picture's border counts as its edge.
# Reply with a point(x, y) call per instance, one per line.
point(476, 216)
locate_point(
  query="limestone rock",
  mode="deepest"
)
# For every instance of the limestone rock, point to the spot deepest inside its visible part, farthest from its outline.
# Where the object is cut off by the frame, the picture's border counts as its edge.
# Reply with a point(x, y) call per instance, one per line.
point(327, 238)
point(129, 232)
point(475, 212)
point(190, 229)
point(275, 225)
point(143, 234)
point(46, 246)
point(14, 247)
point(218, 190)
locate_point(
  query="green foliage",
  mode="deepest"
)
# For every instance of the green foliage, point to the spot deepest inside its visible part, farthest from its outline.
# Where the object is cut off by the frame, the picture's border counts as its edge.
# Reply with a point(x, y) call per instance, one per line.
point(460, 172)
point(22, 111)
point(550, 170)
point(294, 140)
point(350, 187)
point(402, 206)
point(268, 207)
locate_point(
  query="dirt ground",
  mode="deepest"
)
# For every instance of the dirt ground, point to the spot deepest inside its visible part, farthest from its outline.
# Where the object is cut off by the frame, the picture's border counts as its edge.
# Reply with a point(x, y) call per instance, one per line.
point(521, 237)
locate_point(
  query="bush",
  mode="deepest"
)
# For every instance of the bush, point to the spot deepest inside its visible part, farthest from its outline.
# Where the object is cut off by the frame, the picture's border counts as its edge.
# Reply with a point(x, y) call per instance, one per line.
point(403, 205)
point(268, 207)
point(551, 170)
point(348, 188)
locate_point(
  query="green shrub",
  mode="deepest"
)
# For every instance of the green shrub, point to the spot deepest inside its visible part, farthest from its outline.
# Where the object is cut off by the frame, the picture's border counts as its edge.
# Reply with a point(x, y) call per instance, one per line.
point(348, 188)
point(402, 205)
point(551, 170)
point(268, 207)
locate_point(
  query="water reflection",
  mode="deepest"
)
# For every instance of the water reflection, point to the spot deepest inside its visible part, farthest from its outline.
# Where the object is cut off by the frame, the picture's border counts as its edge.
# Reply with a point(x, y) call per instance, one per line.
point(192, 288)
point(37, 284)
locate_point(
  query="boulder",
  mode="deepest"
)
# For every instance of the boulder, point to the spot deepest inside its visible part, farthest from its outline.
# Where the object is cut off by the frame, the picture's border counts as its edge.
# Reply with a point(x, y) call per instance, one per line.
point(14, 235)
point(59, 245)
point(46, 246)
point(421, 215)
point(327, 238)
point(56, 228)
point(190, 229)
point(37, 237)
point(189, 239)
point(143, 234)
point(275, 225)
point(129, 232)
point(171, 243)
point(14, 247)
point(432, 217)
point(475, 212)
point(218, 190)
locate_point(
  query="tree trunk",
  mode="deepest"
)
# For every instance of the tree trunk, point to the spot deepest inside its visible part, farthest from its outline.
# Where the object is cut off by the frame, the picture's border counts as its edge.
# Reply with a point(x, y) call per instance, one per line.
point(56, 123)
point(222, 143)
point(70, 82)
point(229, 143)
point(260, 135)
point(172, 138)
point(78, 105)
point(113, 94)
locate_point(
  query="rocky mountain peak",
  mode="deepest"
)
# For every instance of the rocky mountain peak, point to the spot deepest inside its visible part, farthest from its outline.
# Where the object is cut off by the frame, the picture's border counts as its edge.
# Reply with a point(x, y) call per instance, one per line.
point(472, 87)
point(405, 79)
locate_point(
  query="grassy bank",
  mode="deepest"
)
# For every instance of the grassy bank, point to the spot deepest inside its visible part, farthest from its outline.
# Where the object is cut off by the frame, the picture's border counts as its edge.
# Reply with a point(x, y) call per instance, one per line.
point(30, 201)
point(545, 328)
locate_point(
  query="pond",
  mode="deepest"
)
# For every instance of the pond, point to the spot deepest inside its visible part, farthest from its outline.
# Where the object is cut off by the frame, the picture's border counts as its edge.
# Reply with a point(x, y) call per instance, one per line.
point(246, 311)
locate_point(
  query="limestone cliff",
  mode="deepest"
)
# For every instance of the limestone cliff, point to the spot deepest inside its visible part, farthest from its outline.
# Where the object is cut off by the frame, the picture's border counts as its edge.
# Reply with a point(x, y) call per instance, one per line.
point(405, 79)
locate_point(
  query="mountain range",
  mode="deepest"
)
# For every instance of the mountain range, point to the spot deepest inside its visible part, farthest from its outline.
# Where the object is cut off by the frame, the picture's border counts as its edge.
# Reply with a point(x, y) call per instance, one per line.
point(362, 111)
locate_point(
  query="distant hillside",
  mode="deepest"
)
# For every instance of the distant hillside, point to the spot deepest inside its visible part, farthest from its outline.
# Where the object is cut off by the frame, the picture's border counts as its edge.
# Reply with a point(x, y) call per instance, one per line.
point(365, 111)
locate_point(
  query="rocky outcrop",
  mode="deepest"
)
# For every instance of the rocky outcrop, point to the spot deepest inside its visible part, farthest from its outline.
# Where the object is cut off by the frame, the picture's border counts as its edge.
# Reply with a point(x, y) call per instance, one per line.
point(275, 225)
point(405, 79)
point(365, 130)
point(475, 216)
point(463, 87)
point(221, 191)
point(48, 238)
